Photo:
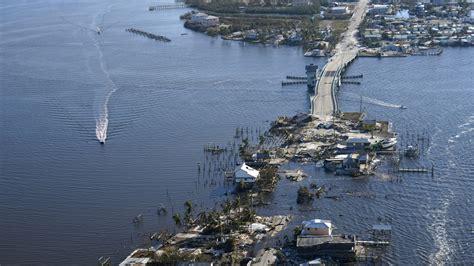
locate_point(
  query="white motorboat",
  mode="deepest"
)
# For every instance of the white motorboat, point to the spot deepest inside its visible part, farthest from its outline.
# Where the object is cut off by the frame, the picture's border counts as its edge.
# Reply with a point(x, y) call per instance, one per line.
point(388, 143)
point(315, 53)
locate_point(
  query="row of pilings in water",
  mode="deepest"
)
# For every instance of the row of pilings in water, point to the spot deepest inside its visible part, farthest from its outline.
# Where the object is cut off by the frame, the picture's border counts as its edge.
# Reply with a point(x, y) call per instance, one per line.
point(148, 35)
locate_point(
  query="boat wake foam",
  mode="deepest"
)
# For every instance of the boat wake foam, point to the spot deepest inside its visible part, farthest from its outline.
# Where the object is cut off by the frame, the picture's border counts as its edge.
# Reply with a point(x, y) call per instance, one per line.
point(102, 122)
point(369, 100)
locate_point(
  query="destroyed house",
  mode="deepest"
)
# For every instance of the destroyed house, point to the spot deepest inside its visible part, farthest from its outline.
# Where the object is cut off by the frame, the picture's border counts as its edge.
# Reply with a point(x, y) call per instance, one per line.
point(358, 143)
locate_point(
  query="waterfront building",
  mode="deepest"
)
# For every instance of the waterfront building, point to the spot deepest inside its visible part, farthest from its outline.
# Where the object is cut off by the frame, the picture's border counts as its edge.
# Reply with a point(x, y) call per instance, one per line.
point(211, 21)
point(295, 38)
point(204, 20)
point(391, 48)
point(199, 18)
point(317, 227)
point(317, 240)
point(357, 143)
point(251, 35)
point(246, 174)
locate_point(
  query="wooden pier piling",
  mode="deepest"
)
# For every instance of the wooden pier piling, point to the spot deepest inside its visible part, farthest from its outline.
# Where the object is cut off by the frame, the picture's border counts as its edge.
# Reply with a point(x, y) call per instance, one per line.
point(162, 7)
point(148, 35)
point(296, 78)
point(353, 77)
point(351, 82)
point(286, 83)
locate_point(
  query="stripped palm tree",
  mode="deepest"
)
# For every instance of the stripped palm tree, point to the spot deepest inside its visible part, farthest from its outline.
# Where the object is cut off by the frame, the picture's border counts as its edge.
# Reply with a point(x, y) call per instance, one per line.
point(188, 211)
point(177, 219)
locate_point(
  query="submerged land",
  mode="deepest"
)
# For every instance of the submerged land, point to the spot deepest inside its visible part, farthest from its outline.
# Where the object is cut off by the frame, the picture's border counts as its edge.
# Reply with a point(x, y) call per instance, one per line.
point(343, 143)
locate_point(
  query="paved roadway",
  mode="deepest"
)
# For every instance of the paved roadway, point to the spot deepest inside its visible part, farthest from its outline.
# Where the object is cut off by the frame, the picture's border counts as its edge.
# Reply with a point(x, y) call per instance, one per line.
point(322, 105)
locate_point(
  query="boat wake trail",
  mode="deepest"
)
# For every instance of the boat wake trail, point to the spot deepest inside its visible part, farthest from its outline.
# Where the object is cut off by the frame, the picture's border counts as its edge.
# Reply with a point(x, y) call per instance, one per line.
point(221, 82)
point(369, 100)
point(102, 122)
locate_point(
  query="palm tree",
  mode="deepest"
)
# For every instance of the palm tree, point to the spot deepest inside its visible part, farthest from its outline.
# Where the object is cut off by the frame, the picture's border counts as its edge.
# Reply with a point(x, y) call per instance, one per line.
point(189, 206)
point(261, 140)
point(177, 219)
point(226, 207)
point(247, 215)
point(188, 211)
point(237, 203)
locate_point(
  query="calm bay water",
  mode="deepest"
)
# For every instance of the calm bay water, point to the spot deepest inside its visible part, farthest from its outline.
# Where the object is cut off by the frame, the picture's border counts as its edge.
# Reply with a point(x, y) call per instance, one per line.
point(66, 199)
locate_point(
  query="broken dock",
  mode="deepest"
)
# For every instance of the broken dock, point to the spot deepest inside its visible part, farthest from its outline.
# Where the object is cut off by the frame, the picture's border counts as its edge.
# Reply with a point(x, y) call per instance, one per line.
point(148, 35)
point(162, 7)
point(415, 170)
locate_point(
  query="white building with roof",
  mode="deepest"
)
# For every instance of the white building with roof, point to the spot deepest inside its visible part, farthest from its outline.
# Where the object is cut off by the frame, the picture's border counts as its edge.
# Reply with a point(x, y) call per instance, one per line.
point(211, 21)
point(204, 19)
point(317, 227)
point(340, 10)
point(251, 35)
point(246, 174)
point(199, 18)
point(380, 9)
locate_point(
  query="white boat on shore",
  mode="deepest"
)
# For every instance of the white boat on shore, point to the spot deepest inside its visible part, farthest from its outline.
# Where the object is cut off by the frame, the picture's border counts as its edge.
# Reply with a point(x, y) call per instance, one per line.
point(315, 53)
point(388, 143)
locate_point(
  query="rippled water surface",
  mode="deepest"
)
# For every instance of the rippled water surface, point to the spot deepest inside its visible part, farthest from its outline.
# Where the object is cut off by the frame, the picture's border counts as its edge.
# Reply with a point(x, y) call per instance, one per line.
point(431, 216)
point(66, 198)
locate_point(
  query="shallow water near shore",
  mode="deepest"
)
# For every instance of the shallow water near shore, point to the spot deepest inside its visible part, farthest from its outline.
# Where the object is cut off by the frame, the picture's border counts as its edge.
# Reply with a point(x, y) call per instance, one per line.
point(66, 198)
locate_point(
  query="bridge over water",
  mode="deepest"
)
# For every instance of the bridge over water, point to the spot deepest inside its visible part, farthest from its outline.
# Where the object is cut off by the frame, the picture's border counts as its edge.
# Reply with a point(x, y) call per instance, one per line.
point(324, 103)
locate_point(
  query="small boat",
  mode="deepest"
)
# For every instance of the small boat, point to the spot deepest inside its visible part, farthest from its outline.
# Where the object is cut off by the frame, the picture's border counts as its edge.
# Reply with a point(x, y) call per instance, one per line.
point(403, 107)
point(138, 219)
point(388, 143)
point(184, 33)
point(315, 53)
point(411, 151)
